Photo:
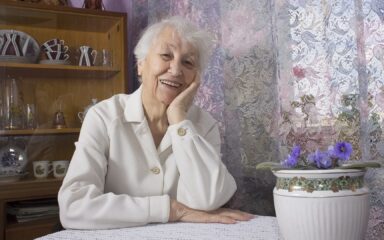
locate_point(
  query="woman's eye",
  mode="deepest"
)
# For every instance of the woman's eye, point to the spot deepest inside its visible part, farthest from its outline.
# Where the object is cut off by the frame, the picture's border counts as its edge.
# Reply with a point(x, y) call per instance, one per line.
point(189, 63)
point(166, 56)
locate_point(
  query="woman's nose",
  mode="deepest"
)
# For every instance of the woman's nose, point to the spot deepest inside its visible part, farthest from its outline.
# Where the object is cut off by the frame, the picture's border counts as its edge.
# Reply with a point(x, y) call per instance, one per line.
point(175, 68)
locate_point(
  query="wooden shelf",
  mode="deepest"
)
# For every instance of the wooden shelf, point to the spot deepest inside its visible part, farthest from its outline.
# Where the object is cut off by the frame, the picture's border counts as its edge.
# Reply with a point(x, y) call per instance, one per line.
point(44, 16)
point(67, 71)
point(43, 221)
point(39, 132)
point(30, 188)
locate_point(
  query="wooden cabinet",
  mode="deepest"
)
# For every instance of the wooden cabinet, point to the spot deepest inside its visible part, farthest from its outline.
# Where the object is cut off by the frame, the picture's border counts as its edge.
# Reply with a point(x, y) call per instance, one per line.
point(52, 87)
point(27, 189)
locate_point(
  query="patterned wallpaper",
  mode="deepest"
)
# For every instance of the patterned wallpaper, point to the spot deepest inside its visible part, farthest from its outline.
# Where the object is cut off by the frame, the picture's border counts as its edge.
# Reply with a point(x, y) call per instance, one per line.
point(286, 72)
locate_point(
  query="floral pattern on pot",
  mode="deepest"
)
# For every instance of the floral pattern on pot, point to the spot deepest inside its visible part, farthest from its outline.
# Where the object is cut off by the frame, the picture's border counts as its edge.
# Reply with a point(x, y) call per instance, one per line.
point(323, 184)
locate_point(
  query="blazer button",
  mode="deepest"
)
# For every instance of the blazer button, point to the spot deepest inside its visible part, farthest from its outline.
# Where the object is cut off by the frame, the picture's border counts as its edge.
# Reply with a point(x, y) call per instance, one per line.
point(181, 131)
point(155, 170)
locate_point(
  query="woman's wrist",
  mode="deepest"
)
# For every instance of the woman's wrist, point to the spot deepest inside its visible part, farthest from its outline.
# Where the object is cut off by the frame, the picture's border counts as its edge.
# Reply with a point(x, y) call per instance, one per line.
point(174, 118)
point(177, 210)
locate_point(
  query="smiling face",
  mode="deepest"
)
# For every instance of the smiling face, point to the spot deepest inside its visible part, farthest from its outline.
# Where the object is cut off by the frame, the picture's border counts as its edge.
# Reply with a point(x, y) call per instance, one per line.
point(169, 67)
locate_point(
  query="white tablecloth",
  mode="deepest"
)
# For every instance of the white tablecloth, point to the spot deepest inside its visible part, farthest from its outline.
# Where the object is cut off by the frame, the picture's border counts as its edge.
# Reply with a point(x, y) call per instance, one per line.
point(259, 228)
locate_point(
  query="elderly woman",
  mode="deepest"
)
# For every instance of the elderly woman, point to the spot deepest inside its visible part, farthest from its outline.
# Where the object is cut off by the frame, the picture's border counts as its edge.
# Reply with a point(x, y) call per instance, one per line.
point(151, 156)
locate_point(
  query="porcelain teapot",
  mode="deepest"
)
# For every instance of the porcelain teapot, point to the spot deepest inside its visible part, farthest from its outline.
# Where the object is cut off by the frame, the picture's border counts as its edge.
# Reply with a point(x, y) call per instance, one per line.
point(81, 115)
point(12, 44)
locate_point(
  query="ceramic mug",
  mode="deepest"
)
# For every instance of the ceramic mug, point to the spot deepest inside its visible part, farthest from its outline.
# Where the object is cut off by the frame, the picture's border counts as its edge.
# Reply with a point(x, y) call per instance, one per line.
point(56, 47)
point(56, 55)
point(41, 169)
point(60, 168)
point(52, 42)
point(87, 56)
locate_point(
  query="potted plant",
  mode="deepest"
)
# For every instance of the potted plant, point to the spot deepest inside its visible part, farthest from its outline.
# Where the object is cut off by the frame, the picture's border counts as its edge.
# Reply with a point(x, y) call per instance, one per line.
point(321, 195)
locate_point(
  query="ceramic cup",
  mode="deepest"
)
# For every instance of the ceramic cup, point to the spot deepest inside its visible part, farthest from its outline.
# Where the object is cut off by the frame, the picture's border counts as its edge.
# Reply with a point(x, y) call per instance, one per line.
point(52, 42)
point(41, 169)
point(60, 168)
point(87, 56)
point(56, 47)
point(56, 55)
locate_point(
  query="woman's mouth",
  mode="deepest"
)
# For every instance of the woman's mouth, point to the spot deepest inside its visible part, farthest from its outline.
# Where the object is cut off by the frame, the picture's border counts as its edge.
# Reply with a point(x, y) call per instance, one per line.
point(171, 83)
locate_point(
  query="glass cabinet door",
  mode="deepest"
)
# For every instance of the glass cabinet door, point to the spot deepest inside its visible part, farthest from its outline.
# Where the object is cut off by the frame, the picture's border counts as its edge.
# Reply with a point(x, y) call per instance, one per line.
point(55, 63)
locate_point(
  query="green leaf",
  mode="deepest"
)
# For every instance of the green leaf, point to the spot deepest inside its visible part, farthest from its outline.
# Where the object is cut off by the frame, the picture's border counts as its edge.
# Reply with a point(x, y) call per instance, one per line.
point(309, 167)
point(359, 165)
point(268, 165)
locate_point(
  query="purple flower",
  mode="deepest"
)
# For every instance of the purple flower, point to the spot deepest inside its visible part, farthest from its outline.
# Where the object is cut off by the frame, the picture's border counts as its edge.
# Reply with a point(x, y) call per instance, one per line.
point(342, 151)
point(289, 162)
point(311, 158)
point(296, 151)
point(292, 159)
point(330, 158)
point(321, 159)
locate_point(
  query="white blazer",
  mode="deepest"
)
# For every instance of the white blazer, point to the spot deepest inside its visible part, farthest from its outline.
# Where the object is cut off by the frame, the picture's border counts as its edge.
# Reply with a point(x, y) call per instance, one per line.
point(117, 178)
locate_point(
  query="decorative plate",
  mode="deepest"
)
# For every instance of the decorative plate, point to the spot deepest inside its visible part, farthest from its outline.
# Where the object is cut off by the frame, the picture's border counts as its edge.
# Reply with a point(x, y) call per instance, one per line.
point(32, 52)
point(17, 59)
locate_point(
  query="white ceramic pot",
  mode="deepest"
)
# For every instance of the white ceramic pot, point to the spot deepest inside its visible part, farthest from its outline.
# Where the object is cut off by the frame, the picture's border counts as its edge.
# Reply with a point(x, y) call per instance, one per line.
point(321, 204)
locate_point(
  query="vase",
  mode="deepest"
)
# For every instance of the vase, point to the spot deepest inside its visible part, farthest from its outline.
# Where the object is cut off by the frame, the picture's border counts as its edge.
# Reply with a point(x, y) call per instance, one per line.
point(13, 114)
point(321, 204)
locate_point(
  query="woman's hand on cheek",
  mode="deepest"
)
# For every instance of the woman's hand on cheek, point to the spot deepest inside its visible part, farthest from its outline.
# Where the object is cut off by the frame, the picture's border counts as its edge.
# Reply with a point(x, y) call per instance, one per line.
point(177, 110)
point(180, 212)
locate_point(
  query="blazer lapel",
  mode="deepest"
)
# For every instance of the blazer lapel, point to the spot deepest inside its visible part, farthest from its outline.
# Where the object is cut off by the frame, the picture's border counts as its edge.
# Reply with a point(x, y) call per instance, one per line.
point(134, 114)
point(165, 143)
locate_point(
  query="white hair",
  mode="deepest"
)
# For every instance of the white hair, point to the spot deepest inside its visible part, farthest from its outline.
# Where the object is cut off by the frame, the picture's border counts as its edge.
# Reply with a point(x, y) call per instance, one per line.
point(200, 39)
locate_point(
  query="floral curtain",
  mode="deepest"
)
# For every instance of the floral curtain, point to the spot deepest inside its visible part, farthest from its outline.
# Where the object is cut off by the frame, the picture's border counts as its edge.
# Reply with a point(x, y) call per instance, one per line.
point(331, 83)
point(287, 72)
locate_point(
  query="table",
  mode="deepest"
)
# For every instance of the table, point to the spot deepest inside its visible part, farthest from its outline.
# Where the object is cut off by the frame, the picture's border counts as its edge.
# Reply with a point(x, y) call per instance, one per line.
point(259, 228)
